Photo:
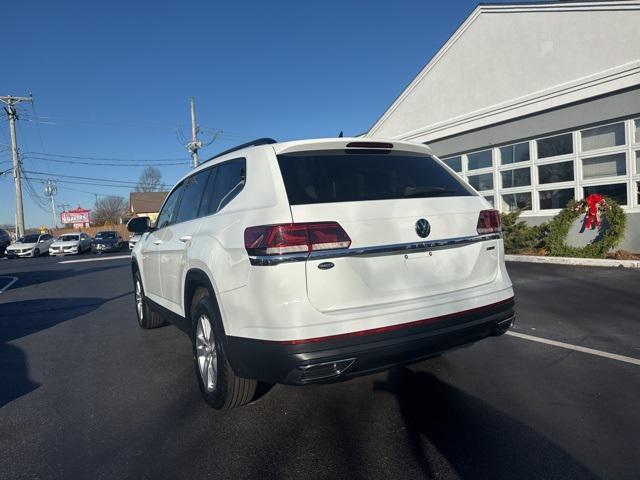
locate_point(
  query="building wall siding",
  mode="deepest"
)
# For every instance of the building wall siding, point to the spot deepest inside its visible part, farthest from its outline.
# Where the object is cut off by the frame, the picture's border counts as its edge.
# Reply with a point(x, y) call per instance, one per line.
point(609, 107)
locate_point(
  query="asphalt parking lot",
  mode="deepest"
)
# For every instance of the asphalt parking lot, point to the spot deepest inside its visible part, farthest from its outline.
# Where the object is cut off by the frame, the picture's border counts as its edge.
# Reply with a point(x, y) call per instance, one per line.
point(85, 393)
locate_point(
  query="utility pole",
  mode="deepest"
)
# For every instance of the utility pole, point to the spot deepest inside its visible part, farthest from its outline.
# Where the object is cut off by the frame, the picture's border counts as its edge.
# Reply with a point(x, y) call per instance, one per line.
point(51, 190)
point(194, 145)
point(10, 108)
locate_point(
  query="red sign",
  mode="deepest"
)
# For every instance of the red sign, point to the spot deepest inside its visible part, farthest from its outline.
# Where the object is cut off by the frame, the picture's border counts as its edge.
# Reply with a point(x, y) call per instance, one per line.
point(78, 215)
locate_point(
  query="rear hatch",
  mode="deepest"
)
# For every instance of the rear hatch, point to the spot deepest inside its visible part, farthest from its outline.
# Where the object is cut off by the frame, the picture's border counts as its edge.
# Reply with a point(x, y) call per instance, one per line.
point(378, 196)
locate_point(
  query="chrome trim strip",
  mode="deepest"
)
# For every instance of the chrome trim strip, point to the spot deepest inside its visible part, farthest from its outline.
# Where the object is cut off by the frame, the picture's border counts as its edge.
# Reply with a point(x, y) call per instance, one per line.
point(268, 260)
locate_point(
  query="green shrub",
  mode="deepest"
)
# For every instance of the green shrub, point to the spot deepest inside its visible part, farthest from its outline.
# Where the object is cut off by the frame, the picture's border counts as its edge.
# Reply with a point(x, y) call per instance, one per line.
point(520, 237)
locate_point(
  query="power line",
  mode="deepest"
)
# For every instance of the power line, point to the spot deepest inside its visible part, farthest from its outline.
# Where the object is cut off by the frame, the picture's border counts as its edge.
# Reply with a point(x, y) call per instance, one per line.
point(97, 184)
point(83, 178)
point(109, 159)
point(75, 162)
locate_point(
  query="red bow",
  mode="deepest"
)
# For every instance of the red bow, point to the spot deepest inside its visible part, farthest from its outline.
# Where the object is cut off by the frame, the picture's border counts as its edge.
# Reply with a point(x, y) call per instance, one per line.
point(592, 209)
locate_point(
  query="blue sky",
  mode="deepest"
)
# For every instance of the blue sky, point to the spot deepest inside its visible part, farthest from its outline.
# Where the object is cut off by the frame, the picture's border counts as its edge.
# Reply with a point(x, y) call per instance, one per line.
point(113, 79)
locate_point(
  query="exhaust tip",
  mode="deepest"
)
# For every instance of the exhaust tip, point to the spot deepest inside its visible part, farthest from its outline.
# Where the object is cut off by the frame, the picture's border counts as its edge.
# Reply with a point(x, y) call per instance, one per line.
point(323, 371)
point(503, 326)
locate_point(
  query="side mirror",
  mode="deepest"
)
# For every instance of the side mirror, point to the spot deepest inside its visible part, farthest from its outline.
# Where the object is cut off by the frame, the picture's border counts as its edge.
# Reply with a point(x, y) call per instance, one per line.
point(139, 225)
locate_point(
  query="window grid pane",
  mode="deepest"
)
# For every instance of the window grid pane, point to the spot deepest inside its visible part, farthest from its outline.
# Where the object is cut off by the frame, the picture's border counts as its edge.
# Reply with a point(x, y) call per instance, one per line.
point(616, 191)
point(550, 199)
point(605, 166)
point(603, 137)
point(483, 181)
point(455, 163)
point(518, 177)
point(480, 160)
point(554, 146)
point(555, 172)
point(516, 201)
point(514, 153)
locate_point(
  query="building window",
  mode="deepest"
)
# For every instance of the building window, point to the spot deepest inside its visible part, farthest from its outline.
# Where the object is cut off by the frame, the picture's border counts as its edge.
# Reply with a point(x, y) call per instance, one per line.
point(480, 160)
point(516, 201)
point(603, 137)
point(518, 177)
point(489, 198)
point(638, 130)
point(514, 153)
point(555, 172)
point(616, 191)
point(554, 146)
point(638, 162)
point(455, 163)
point(605, 166)
point(483, 181)
point(550, 199)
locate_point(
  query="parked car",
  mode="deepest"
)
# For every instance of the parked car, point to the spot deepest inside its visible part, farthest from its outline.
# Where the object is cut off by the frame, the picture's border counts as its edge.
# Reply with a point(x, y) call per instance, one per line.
point(313, 261)
point(32, 245)
point(5, 240)
point(71, 243)
point(133, 240)
point(107, 241)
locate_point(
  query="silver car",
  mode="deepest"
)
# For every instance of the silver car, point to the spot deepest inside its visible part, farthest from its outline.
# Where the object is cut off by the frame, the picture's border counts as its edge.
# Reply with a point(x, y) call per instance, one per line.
point(32, 245)
point(70, 243)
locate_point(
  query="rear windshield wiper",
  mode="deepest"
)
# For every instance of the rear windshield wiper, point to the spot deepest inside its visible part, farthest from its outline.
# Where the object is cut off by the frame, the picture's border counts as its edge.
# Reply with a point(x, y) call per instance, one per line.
point(426, 191)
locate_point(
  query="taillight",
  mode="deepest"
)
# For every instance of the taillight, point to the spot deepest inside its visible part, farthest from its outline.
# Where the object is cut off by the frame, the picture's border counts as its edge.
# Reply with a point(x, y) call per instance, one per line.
point(295, 237)
point(489, 222)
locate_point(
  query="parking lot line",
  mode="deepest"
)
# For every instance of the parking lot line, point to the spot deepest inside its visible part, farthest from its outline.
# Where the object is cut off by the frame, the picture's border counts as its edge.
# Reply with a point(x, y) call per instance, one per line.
point(118, 257)
point(577, 348)
point(11, 282)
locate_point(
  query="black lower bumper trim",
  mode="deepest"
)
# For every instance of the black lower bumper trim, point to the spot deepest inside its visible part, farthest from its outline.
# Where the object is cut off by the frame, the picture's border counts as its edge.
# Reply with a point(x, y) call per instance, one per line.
point(278, 362)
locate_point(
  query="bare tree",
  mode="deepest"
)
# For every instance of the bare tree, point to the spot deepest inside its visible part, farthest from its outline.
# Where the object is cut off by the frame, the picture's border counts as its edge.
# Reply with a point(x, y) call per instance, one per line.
point(109, 210)
point(150, 180)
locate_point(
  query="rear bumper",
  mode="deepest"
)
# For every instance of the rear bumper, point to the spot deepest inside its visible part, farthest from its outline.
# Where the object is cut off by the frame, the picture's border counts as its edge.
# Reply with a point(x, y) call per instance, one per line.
point(106, 248)
point(340, 356)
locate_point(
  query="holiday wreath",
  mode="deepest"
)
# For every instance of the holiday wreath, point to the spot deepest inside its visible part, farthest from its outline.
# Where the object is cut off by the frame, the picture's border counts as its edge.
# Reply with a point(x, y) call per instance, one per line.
point(595, 207)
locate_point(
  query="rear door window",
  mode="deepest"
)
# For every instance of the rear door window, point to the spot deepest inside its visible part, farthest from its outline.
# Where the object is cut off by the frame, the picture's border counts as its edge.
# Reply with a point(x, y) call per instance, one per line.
point(339, 176)
point(190, 203)
point(225, 183)
point(165, 218)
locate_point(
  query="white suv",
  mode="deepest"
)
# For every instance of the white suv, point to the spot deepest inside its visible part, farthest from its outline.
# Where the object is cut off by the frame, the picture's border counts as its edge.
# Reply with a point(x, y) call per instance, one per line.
point(311, 261)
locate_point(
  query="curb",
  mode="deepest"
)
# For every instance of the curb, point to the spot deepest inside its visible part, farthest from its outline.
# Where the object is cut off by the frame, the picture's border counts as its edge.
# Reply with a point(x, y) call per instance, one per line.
point(588, 262)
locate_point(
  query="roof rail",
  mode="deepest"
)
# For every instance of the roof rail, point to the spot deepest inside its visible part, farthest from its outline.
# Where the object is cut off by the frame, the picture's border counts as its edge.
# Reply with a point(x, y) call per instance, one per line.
point(252, 143)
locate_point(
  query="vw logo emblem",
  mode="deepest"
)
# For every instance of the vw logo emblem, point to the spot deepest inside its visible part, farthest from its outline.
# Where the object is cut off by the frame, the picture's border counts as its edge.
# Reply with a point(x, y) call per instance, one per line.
point(423, 229)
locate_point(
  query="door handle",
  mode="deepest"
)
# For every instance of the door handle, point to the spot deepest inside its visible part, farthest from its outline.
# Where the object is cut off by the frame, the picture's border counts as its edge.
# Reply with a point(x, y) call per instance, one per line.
point(157, 242)
point(185, 239)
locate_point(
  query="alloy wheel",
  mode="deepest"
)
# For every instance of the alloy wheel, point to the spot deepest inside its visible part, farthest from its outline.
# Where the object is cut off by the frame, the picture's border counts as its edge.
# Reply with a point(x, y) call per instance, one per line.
point(206, 353)
point(139, 298)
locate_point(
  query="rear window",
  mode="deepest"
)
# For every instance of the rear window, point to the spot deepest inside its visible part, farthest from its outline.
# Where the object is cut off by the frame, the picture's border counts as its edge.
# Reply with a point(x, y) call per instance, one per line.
point(103, 235)
point(328, 177)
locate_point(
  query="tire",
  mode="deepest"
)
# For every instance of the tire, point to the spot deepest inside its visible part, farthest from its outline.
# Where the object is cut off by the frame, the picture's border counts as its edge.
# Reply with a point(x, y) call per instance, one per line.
point(36, 253)
point(147, 318)
point(221, 388)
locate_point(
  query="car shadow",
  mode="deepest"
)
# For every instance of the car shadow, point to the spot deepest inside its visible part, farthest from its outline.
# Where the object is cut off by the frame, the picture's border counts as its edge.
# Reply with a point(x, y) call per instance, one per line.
point(471, 434)
point(23, 318)
point(37, 277)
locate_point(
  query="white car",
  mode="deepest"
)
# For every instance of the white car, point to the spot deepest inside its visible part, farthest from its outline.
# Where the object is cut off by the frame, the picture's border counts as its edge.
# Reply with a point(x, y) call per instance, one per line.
point(316, 260)
point(32, 245)
point(71, 243)
point(133, 240)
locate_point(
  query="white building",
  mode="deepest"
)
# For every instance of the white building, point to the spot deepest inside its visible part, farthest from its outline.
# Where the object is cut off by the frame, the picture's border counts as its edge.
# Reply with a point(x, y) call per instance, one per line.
point(534, 104)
